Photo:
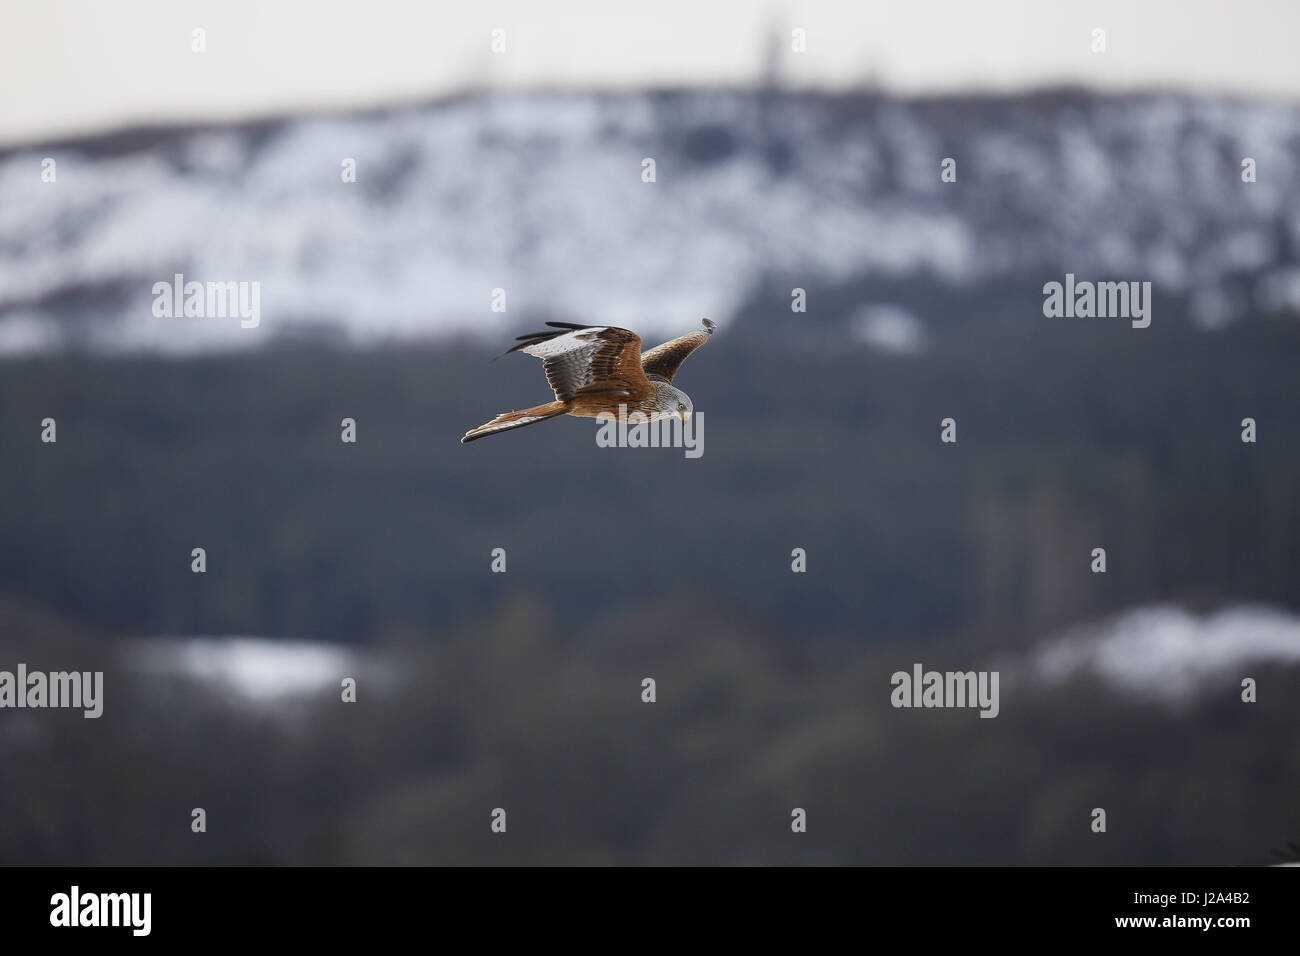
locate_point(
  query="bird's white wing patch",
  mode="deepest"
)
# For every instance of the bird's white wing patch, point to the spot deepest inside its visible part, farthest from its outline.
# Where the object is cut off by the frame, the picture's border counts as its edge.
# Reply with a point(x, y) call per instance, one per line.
point(568, 359)
point(579, 339)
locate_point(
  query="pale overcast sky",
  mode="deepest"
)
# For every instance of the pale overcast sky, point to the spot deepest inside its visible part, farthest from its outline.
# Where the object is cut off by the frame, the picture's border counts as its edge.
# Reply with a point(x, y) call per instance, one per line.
point(71, 66)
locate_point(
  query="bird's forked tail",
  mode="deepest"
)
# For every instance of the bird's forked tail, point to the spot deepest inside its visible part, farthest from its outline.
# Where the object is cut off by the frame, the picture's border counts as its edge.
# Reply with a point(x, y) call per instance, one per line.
point(508, 420)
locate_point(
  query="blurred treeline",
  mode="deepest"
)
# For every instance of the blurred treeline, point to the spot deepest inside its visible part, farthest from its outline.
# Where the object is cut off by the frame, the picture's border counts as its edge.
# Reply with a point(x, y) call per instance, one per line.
point(1071, 436)
point(527, 713)
point(522, 690)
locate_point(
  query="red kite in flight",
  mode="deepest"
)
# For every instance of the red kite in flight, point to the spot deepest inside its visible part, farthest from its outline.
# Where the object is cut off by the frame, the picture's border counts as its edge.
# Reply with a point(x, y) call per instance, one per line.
point(594, 369)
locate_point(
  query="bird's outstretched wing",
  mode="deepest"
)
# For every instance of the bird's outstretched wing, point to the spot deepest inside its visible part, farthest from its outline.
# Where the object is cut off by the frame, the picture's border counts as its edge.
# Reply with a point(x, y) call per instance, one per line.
point(664, 360)
point(583, 359)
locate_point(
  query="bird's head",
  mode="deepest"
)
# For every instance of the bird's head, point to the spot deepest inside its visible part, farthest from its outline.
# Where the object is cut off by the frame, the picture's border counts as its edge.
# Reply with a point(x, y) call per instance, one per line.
point(671, 400)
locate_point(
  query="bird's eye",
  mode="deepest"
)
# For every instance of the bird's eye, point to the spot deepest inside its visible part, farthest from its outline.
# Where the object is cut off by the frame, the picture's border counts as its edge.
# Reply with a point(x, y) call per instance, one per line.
point(681, 407)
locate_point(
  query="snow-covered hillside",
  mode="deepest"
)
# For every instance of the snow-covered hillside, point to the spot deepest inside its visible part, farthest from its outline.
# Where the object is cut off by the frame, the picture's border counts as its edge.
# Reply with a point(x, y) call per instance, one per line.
point(542, 195)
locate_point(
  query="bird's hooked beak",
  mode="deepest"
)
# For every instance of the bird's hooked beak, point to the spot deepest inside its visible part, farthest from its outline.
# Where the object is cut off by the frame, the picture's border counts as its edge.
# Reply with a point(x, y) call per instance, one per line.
point(683, 416)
